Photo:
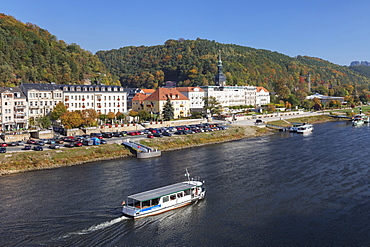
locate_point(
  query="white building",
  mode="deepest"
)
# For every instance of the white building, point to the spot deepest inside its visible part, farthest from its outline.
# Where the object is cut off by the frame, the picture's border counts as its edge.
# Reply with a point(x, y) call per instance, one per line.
point(262, 96)
point(102, 98)
point(41, 98)
point(195, 95)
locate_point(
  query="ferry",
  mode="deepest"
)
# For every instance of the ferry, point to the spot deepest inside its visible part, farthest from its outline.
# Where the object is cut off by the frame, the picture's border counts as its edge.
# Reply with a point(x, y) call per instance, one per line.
point(163, 199)
point(359, 119)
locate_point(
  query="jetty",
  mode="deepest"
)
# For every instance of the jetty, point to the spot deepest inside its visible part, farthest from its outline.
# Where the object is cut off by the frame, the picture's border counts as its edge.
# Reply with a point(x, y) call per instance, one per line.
point(142, 151)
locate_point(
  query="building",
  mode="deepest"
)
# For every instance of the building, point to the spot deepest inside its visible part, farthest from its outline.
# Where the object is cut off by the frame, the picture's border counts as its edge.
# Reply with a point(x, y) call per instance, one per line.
point(324, 98)
point(195, 95)
point(102, 98)
point(41, 98)
point(262, 96)
point(13, 109)
point(154, 103)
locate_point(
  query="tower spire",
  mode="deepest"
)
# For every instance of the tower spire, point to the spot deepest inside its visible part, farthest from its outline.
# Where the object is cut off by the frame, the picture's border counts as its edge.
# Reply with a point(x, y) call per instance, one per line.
point(220, 78)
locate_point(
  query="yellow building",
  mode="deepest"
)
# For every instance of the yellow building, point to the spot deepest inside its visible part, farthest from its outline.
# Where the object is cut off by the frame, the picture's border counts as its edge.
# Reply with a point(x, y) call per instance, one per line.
point(155, 102)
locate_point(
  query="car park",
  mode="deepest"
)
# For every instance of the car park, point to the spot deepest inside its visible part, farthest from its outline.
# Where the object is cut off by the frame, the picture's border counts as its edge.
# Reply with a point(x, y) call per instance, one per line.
point(37, 148)
point(2, 150)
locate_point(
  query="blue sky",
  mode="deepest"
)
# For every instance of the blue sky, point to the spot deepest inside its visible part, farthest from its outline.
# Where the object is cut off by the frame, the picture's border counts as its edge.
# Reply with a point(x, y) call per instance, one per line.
point(334, 30)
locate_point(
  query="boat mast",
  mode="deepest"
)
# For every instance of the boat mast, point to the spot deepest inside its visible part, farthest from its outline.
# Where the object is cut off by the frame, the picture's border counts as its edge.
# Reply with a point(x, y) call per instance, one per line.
point(187, 175)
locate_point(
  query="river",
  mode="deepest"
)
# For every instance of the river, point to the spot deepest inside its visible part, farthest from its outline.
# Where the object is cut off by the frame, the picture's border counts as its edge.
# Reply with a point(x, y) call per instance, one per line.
point(283, 189)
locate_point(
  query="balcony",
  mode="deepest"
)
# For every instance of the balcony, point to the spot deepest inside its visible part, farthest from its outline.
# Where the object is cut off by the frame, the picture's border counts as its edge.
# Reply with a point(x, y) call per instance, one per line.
point(20, 107)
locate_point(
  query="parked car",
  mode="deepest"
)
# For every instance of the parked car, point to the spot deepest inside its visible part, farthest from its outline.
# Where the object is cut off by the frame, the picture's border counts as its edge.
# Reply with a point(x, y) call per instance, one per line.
point(30, 141)
point(12, 144)
point(40, 143)
point(103, 141)
point(107, 134)
point(69, 145)
point(150, 136)
point(20, 143)
point(78, 144)
point(54, 146)
point(37, 148)
point(166, 134)
point(117, 134)
point(27, 147)
point(4, 144)
point(2, 150)
point(98, 135)
point(157, 134)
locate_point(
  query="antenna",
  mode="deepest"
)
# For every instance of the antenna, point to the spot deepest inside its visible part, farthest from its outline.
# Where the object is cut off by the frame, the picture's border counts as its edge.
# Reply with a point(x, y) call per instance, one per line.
point(187, 175)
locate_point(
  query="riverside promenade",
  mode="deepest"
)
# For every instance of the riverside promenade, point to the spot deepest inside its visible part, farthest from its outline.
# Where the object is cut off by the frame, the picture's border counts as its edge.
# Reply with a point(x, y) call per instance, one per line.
point(273, 117)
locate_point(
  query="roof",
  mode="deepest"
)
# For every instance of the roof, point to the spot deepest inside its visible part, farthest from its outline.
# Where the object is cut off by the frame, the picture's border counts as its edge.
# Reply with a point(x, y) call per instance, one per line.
point(156, 193)
point(259, 89)
point(189, 89)
point(164, 93)
point(25, 87)
point(148, 91)
point(139, 97)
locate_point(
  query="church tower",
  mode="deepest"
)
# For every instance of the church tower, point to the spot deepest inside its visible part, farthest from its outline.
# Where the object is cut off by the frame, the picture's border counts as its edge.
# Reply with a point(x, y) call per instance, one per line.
point(220, 78)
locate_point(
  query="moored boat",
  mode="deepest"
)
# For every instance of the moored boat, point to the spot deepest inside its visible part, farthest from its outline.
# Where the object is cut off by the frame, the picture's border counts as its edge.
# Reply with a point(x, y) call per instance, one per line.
point(306, 128)
point(359, 119)
point(163, 199)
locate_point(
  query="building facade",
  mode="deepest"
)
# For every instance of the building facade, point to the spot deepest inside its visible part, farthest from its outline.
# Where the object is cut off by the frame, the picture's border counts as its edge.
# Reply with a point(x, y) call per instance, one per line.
point(195, 95)
point(13, 109)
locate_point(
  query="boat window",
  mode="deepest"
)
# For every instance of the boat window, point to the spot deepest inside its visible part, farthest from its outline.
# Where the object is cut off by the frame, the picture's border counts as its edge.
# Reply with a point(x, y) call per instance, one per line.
point(179, 194)
point(130, 202)
point(155, 201)
point(173, 197)
point(146, 203)
point(166, 199)
point(187, 192)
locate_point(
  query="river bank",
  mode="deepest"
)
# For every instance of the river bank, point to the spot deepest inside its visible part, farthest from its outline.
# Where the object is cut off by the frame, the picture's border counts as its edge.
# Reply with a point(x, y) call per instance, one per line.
point(29, 161)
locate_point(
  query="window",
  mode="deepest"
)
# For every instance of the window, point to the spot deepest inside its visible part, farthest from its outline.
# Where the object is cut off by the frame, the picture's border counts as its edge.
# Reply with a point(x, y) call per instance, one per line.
point(166, 199)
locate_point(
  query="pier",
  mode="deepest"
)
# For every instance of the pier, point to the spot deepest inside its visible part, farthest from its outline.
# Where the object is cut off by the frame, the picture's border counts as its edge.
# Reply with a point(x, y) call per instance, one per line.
point(142, 151)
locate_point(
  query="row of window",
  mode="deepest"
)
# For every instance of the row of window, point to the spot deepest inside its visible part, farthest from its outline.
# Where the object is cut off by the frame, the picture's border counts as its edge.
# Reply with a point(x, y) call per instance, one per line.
point(98, 104)
point(87, 97)
point(97, 89)
point(44, 95)
point(43, 103)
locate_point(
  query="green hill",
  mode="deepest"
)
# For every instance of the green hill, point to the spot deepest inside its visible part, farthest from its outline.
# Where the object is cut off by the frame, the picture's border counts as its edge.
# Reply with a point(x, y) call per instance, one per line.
point(194, 62)
point(29, 53)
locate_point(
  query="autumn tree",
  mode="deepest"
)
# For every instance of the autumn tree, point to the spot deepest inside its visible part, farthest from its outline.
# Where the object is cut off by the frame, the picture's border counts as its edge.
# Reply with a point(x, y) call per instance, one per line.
point(143, 115)
point(89, 117)
point(71, 120)
point(103, 117)
point(133, 114)
point(111, 116)
point(58, 111)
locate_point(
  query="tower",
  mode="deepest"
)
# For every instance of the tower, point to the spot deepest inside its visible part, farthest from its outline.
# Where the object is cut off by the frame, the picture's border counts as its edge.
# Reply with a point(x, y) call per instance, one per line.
point(309, 82)
point(220, 78)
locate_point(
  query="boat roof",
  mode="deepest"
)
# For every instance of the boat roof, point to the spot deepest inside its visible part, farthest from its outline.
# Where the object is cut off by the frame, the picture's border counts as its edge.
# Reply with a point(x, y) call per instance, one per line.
point(166, 190)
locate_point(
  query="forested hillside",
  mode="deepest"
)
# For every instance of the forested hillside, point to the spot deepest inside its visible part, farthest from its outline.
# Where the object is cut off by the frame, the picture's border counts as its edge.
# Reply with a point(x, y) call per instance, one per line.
point(194, 62)
point(29, 53)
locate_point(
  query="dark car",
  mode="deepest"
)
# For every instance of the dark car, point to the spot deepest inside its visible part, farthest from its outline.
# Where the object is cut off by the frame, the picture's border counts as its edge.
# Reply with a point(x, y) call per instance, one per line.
point(157, 135)
point(117, 134)
point(166, 134)
point(54, 146)
point(2, 150)
point(37, 148)
point(103, 141)
point(30, 141)
point(12, 144)
point(69, 145)
point(4, 144)
point(27, 147)
point(97, 135)
point(107, 134)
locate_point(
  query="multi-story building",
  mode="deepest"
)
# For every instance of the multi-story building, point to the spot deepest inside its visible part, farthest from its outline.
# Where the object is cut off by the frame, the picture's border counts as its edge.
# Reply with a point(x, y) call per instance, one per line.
point(195, 95)
point(41, 98)
point(154, 103)
point(262, 96)
point(13, 109)
point(102, 98)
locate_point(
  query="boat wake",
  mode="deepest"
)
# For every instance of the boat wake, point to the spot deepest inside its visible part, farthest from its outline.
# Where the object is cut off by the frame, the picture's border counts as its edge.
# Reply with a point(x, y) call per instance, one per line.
point(96, 227)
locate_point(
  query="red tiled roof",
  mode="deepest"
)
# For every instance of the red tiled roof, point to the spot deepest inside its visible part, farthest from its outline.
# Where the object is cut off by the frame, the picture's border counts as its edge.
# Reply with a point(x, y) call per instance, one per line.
point(164, 93)
point(139, 97)
point(259, 89)
point(148, 91)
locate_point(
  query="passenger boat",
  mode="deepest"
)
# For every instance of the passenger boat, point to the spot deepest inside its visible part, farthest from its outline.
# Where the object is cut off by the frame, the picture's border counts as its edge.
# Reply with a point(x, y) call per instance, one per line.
point(295, 127)
point(359, 119)
point(163, 199)
point(306, 128)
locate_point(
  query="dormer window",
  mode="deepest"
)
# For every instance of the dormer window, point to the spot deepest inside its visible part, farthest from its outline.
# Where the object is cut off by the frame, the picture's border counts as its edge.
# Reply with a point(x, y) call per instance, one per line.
point(78, 88)
point(114, 89)
point(85, 88)
point(109, 89)
point(91, 89)
point(72, 88)
point(65, 88)
point(97, 89)
point(103, 89)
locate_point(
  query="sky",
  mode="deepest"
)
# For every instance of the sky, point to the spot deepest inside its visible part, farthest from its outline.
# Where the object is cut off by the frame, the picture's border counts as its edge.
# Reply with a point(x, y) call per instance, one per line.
point(333, 30)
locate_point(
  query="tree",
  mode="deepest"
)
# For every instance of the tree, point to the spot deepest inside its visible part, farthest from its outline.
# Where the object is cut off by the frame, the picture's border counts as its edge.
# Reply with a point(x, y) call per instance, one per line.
point(120, 116)
point(212, 105)
point(111, 116)
point(103, 117)
point(143, 115)
point(58, 111)
point(44, 122)
point(271, 108)
point(71, 120)
point(89, 117)
point(133, 114)
point(168, 111)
